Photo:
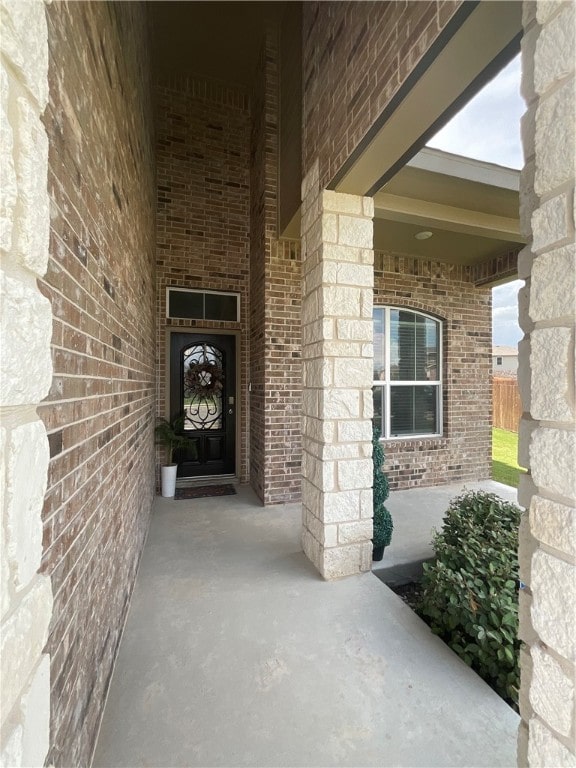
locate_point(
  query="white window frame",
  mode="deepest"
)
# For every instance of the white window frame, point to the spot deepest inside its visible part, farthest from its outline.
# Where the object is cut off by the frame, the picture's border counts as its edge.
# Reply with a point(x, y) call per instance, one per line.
point(203, 292)
point(387, 384)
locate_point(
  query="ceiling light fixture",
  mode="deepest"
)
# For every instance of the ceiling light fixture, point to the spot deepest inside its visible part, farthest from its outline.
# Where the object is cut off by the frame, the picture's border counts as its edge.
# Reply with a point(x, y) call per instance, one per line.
point(423, 235)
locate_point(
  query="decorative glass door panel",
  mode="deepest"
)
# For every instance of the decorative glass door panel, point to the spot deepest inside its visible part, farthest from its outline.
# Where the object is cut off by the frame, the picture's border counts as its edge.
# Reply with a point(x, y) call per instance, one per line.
point(202, 395)
point(203, 372)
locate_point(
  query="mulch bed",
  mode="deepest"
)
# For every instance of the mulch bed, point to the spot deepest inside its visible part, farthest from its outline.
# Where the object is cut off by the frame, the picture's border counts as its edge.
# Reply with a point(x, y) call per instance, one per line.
point(410, 593)
point(204, 491)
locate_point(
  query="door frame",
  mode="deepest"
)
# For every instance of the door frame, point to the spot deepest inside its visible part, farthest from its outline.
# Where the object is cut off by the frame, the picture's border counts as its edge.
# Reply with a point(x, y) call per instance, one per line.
point(236, 334)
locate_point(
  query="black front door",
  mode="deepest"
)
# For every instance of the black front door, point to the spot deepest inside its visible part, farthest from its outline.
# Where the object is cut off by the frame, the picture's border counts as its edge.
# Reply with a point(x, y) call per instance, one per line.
point(202, 395)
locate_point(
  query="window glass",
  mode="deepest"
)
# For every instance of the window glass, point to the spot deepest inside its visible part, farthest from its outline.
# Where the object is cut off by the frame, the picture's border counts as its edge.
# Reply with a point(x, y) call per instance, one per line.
point(413, 410)
point(197, 305)
point(432, 346)
point(407, 388)
point(221, 307)
point(186, 305)
point(379, 409)
point(412, 340)
point(202, 403)
point(394, 344)
point(379, 345)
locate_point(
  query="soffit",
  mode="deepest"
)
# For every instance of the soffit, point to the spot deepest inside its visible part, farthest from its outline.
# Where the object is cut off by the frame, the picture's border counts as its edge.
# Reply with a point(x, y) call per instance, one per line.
point(471, 208)
point(446, 78)
point(458, 193)
point(219, 40)
point(471, 221)
point(451, 247)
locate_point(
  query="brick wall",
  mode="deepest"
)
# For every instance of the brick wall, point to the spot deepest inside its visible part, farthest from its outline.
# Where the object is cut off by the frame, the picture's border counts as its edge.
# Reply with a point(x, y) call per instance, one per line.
point(99, 412)
point(283, 415)
point(202, 162)
point(262, 228)
point(275, 354)
point(290, 128)
point(496, 270)
point(446, 291)
point(217, 156)
point(356, 57)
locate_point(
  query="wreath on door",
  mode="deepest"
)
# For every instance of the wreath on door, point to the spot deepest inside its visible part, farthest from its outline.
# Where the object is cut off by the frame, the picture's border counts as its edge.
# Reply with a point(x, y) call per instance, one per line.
point(204, 379)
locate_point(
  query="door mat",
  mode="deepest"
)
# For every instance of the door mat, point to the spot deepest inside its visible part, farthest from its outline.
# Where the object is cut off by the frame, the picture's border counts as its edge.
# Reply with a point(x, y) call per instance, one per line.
point(203, 491)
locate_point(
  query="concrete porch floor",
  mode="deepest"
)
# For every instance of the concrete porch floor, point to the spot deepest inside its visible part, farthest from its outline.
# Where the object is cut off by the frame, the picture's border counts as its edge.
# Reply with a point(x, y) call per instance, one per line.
point(236, 653)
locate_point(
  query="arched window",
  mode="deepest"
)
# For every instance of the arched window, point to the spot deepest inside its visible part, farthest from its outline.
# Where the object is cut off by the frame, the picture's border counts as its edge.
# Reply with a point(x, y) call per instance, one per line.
point(407, 373)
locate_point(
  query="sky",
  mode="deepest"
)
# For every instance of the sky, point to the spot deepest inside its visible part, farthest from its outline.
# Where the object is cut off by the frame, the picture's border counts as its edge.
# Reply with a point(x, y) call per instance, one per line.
point(488, 128)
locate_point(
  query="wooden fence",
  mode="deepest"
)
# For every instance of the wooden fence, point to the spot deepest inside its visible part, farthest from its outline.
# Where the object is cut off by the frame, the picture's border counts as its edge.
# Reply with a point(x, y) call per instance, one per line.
point(506, 405)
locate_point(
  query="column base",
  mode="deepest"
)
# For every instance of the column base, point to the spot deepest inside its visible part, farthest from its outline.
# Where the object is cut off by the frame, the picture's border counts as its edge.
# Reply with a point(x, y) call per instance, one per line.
point(337, 562)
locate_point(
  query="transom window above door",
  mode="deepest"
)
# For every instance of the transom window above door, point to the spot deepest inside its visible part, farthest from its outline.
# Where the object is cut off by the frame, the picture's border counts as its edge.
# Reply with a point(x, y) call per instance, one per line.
point(407, 383)
point(192, 304)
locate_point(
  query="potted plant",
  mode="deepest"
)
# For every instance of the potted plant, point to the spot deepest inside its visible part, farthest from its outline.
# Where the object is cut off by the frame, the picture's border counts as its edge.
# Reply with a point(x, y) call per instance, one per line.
point(380, 491)
point(169, 434)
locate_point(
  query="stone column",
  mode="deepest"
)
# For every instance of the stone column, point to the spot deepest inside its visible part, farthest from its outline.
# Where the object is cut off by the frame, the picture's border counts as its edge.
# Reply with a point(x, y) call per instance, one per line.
point(338, 276)
point(546, 377)
point(26, 596)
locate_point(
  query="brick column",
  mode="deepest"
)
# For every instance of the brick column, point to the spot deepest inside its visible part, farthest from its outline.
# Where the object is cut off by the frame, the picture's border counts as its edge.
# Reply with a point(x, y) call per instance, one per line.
point(338, 275)
point(546, 377)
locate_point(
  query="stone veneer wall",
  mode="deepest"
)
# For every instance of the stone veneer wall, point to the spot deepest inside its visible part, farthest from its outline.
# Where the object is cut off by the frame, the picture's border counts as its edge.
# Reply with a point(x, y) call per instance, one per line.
point(356, 58)
point(202, 163)
point(447, 291)
point(546, 379)
point(99, 413)
point(275, 290)
point(337, 351)
point(25, 596)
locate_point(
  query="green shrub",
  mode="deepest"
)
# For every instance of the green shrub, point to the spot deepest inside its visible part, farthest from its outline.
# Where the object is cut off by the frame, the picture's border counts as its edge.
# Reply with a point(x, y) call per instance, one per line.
point(380, 491)
point(470, 594)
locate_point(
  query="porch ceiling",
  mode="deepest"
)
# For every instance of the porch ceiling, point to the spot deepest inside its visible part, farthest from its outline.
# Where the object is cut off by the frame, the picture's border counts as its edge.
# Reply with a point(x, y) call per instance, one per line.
point(446, 246)
point(219, 40)
point(471, 207)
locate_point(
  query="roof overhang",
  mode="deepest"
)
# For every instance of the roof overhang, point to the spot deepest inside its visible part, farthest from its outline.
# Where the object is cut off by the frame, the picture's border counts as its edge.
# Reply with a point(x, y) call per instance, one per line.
point(469, 206)
point(481, 38)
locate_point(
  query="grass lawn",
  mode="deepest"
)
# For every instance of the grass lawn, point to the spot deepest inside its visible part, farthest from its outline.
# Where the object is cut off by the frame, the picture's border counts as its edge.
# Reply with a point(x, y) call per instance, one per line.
point(505, 467)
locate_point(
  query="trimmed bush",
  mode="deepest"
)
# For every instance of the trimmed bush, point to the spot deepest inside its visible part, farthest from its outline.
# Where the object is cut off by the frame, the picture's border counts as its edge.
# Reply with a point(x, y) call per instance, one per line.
point(470, 593)
point(380, 491)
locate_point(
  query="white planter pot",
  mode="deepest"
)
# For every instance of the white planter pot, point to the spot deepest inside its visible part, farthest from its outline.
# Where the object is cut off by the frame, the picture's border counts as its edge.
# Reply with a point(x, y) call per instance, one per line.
point(169, 480)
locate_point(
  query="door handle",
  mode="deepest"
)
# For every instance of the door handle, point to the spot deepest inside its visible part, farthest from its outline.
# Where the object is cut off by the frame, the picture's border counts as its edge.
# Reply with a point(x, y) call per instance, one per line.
point(230, 411)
